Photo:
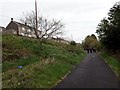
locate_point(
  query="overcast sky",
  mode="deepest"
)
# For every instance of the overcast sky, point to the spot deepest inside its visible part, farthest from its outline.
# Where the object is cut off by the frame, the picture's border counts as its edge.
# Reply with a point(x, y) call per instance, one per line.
point(80, 17)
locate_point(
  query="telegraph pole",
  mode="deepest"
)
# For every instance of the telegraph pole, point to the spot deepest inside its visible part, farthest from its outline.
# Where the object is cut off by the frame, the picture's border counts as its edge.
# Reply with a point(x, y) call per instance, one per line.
point(36, 30)
point(36, 19)
point(71, 37)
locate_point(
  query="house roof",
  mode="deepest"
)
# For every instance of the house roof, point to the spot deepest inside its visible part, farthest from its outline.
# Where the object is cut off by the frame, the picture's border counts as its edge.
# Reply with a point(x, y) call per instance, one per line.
point(2, 27)
point(24, 25)
point(21, 24)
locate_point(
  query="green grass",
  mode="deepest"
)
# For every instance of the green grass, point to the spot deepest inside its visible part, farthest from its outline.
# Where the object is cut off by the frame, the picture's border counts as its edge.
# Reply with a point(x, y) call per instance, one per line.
point(112, 62)
point(20, 62)
point(41, 69)
point(35, 75)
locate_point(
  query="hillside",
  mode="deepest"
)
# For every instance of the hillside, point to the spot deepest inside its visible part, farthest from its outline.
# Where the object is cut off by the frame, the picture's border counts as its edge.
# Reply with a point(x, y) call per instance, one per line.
point(27, 64)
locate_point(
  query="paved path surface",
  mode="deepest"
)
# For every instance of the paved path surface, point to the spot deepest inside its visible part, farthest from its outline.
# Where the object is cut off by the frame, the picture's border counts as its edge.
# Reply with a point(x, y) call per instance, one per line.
point(92, 72)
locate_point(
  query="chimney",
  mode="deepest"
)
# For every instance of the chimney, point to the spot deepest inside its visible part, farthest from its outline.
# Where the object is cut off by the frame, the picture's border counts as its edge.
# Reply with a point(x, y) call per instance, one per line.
point(25, 24)
point(11, 19)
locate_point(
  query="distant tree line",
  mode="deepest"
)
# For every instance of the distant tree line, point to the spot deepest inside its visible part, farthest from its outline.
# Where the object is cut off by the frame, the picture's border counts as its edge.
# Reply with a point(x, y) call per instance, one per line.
point(108, 29)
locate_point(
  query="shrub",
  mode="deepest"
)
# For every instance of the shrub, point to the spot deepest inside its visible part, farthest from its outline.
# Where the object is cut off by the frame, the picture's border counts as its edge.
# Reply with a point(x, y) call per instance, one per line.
point(73, 43)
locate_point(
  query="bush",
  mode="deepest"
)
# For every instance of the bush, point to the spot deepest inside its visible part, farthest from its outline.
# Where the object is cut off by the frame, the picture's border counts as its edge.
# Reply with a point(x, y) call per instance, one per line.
point(73, 43)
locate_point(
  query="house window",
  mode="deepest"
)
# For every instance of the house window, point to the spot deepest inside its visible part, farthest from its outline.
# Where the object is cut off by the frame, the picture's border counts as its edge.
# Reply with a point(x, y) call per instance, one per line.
point(23, 28)
point(14, 32)
point(28, 30)
point(25, 34)
point(29, 36)
point(22, 34)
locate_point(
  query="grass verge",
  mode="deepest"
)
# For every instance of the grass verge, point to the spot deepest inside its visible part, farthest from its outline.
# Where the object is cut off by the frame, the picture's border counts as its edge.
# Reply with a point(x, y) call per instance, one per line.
point(112, 62)
point(39, 70)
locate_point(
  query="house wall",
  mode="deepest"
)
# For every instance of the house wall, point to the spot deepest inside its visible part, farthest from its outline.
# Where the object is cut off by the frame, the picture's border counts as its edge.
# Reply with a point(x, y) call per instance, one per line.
point(9, 32)
point(1, 29)
point(19, 29)
point(26, 31)
point(60, 40)
point(13, 26)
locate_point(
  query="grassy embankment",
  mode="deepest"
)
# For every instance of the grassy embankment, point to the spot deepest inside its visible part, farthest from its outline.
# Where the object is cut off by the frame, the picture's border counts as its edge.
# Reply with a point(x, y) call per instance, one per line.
point(112, 62)
point(39, 70)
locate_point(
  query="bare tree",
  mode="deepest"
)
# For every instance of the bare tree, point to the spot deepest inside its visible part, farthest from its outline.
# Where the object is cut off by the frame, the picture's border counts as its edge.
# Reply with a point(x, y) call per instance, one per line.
point(46, 28)
point(50, 28)
point(30, 19)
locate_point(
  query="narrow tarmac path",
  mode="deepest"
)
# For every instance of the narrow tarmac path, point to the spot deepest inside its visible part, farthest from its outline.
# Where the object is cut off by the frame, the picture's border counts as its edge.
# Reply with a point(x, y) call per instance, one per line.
point(92, 72)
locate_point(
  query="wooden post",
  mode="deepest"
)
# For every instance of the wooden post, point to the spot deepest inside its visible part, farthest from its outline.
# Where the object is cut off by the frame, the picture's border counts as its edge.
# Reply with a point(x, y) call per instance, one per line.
point(36, 29)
